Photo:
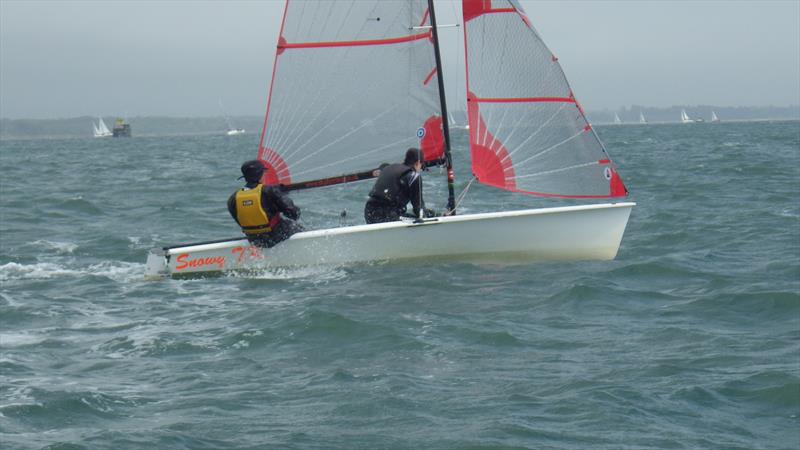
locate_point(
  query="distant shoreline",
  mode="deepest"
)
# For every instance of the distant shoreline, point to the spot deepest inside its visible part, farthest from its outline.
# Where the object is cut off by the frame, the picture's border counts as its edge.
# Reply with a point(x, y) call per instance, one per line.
point(163, 126)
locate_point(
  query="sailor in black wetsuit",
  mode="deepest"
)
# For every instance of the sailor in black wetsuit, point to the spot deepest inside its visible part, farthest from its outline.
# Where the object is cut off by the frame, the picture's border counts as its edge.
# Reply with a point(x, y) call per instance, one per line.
point(397, 185)
point(257, 209)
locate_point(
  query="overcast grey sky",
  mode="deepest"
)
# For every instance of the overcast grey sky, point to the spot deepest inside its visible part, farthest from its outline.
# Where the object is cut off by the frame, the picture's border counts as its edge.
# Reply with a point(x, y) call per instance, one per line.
point(69, 58)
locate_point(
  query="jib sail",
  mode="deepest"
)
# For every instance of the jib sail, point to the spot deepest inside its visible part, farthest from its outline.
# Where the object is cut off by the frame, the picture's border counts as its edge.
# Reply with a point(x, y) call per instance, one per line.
point(527, 131)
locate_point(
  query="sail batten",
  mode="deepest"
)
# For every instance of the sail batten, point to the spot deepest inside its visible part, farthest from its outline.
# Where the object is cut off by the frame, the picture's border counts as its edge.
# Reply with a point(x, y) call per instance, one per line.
point(387, 41)
point(550, 149)
point(525, 100)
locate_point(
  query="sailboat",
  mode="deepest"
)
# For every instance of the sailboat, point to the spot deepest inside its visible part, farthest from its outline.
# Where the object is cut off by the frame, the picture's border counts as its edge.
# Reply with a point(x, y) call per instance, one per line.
point(355, 91)
point(617, 120)
point(100, 129)
point(642, 120)
point(685, 117)
point(460, 123)
point(714, 117)
point(231, 131)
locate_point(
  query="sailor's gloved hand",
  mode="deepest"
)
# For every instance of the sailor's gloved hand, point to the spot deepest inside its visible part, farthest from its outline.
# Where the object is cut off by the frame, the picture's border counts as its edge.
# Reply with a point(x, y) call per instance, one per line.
point(427, 212)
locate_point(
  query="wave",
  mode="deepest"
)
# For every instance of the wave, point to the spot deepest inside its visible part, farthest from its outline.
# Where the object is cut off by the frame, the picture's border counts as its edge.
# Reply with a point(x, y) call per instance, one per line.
point(80, 205)
point(115, 270)
point(316, 273)
point(61, 248)
point(40, 406)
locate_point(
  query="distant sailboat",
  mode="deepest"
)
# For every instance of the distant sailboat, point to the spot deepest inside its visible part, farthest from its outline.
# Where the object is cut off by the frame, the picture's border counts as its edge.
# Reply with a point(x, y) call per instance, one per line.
point(232, 131)
point(714, 117)
point(641, 118)
point(100, 129)
point(455, 124)
point(617, 120)
point(685, 117)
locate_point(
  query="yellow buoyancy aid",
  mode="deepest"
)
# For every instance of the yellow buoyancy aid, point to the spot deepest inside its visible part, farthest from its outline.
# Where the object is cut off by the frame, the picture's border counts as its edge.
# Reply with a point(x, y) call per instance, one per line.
point(250, 214)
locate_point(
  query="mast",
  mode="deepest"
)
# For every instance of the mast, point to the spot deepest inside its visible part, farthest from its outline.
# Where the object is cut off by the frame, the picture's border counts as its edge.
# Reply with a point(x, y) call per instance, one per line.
point(451, 203)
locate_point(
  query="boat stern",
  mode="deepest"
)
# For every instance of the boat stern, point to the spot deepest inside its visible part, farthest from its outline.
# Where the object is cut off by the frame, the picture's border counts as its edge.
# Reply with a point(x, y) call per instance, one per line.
point(156, 266)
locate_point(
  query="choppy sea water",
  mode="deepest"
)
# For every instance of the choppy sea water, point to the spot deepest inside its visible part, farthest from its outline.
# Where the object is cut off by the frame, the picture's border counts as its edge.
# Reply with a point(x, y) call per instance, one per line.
point(689, 339)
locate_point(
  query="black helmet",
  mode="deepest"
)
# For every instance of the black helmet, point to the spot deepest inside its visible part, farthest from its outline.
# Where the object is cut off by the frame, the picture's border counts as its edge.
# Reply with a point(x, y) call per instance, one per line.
point(413, 156)
point(253, 170)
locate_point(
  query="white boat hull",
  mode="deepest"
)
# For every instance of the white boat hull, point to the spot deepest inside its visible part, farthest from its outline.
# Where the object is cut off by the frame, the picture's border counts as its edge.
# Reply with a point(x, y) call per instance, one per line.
point(588, 232)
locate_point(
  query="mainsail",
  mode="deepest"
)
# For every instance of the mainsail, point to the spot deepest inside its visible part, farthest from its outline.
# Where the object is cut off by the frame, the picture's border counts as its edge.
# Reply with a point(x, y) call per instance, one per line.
point(353, 86)
point(528, 133)
point(101, 130)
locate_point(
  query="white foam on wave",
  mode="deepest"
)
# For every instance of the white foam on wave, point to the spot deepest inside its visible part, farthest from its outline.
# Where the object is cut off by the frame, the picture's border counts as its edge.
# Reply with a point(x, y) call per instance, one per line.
point(158, 335)
point(16, 396)
point(59, 247)
point(115, 270)
point(38, 271)
point(317, 273)
point(118, 270)
point(9, 300)
point(11, 340)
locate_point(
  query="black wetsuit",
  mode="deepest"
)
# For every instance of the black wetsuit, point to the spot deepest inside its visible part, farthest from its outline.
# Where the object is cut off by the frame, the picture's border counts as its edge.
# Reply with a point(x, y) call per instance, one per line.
point(397, 185)
point(273, 201)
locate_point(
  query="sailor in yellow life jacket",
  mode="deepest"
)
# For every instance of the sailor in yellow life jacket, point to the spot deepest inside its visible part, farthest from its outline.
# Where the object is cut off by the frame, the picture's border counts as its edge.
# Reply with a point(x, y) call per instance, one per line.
point(257, 208)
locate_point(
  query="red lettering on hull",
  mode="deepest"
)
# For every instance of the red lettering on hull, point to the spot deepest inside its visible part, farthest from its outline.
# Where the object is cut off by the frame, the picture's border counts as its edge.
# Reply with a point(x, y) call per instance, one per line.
point(210, 261)
point(247, 253)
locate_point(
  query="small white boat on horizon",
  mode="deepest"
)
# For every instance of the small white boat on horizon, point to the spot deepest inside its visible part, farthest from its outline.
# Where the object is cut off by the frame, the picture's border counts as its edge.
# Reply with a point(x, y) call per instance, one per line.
point(642, 120)
point(232, 130)
point(714, 117)
point(100, 129)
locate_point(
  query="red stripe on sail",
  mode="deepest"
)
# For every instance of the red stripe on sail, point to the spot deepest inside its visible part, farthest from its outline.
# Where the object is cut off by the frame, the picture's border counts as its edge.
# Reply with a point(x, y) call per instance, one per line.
point(500, 10)
point(389, 41)
point(425, 16)
point(475, 8)
point(525, 100)
point(432, 142)
point(277, 172)
point(491, 163)
point(428, 78)
point(618, 188)
point(613, 193)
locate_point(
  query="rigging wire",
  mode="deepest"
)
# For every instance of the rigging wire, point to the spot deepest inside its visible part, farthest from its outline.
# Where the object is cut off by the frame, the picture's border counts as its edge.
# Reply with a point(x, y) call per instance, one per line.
point(463, 194)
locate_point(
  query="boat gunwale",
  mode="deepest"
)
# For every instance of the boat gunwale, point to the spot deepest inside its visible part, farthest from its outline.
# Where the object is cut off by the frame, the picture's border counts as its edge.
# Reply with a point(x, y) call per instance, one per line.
point(327, 232)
